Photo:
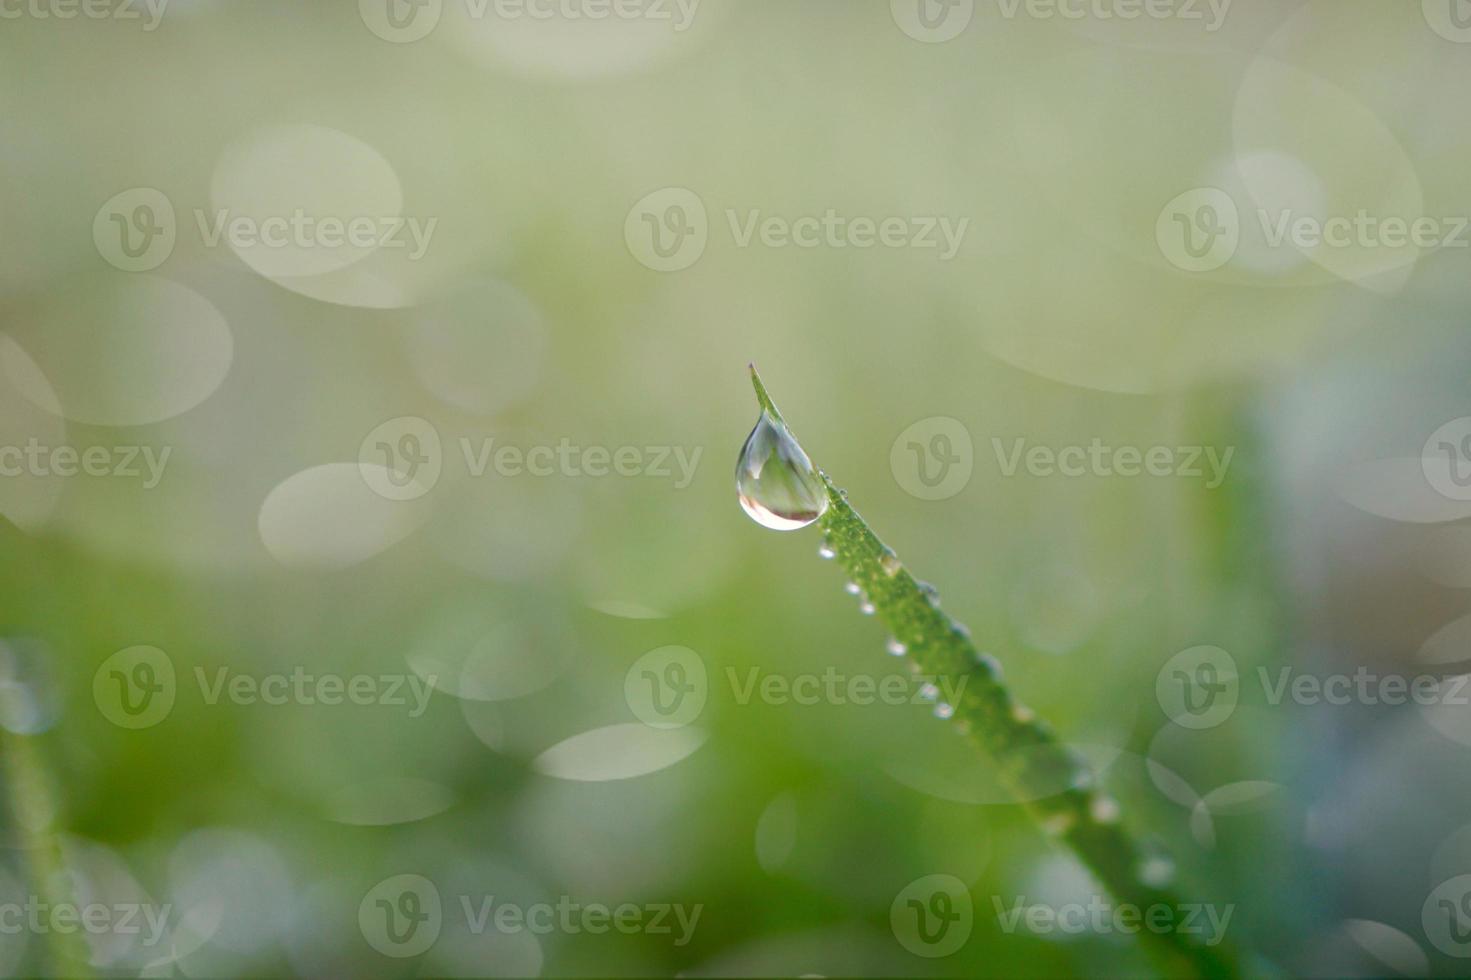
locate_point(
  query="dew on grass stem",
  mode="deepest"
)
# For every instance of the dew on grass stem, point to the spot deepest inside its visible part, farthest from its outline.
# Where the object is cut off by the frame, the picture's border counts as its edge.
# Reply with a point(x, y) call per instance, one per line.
point(776, 483)
point(890, 563)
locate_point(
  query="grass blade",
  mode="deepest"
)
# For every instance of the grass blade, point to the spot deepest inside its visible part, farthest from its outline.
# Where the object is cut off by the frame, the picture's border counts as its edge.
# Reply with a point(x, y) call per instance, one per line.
point(1054, 783)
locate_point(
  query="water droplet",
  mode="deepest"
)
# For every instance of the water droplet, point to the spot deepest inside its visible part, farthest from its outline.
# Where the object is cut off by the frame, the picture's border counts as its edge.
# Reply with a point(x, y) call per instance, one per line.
point(867, 608)
point(896, 648)
point(852, 588)
point(777, 484)
point(931, 593)
point(990, 665)
point(826, 553)
point(929, 692)
point(943, 710)
point(890, 563)
point(1021, 714)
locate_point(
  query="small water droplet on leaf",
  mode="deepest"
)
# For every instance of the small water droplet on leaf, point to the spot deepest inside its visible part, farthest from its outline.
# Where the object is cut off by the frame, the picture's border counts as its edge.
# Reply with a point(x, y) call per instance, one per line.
point(890, 563)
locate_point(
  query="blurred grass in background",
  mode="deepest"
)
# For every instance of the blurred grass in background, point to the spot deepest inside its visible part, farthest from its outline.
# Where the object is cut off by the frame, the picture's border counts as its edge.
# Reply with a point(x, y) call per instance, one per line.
point(529, 320)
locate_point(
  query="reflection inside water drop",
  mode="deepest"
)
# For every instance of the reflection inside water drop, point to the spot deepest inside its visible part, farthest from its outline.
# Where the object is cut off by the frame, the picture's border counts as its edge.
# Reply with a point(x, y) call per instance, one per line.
point(777, 484)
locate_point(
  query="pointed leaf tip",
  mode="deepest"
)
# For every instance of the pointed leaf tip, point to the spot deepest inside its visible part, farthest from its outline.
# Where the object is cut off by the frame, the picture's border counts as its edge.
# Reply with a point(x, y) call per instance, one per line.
point(762, 397)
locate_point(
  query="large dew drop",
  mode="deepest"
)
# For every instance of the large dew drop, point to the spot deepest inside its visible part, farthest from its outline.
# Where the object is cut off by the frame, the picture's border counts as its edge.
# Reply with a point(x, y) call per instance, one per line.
point(777, 484)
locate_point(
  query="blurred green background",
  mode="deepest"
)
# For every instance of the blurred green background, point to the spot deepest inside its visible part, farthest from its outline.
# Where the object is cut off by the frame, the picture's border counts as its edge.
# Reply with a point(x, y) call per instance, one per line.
point(540, 157)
